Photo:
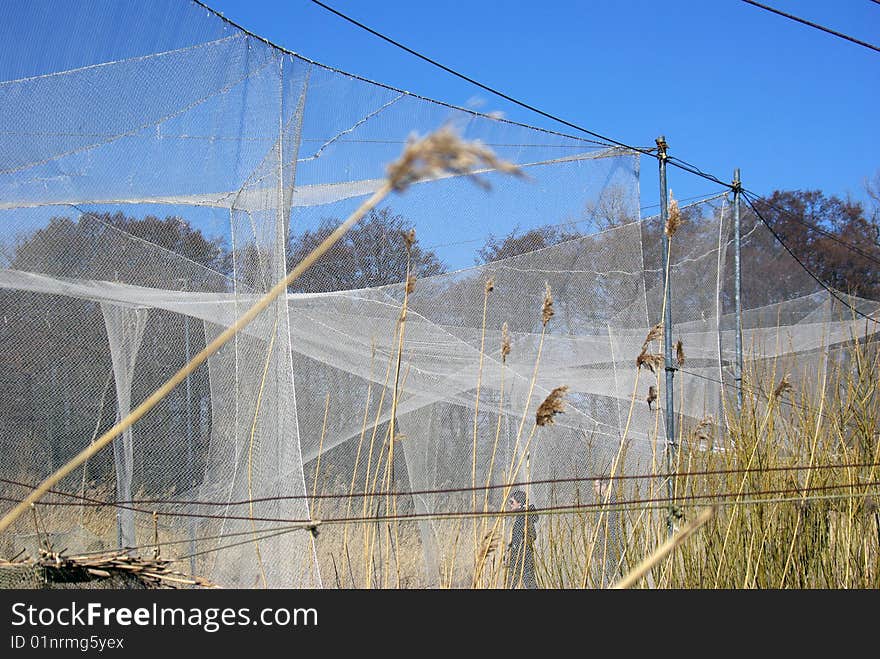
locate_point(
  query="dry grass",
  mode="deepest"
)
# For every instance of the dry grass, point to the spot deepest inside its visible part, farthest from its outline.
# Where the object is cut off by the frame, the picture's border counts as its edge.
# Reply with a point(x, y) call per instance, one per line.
point(792, 483)
point(793, 487)
point(776, 523)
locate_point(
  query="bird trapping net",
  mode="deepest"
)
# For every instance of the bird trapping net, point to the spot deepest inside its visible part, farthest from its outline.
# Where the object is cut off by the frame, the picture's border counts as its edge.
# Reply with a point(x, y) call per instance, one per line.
point(160, 170)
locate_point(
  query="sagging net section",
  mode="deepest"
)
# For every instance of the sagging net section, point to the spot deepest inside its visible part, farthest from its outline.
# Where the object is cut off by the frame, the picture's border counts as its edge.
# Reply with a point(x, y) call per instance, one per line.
point(156, 181)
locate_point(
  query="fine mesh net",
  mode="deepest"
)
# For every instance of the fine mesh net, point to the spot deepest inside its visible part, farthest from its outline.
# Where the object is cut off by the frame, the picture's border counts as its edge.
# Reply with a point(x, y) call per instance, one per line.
point(159, 176)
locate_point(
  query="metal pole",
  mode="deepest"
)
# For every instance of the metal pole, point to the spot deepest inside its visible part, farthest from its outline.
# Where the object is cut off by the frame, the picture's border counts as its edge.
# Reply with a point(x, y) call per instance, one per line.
point(189, 450)
point(737, 269)
point(667, 331)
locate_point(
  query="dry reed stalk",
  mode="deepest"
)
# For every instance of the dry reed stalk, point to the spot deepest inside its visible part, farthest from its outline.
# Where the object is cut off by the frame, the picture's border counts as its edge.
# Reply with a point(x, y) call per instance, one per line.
point(660, 553)
point(677, 484)
point(552, 405)
point(809, 474)
point(428, 157)
point(450, 566)
point(488, 546)
point(612, 472)
point(390, 496)
point(157, 552)
point(314, 562)
point(749, 560)
point(396, 521)
point(759, 433)
point(358, 453)
point(546, 313)
point(252, 440)
point(371, 537)
point(312, 514)
point(505, 350)
point(368, 498)
point(515, 470)
point(487, 288)
point(395, 395)
point(393, 547)
point(370, 534)
point(432, 157)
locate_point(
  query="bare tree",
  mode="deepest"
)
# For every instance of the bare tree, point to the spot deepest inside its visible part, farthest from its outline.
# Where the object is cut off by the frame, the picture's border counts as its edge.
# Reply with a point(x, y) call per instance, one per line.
point(373, 253)
point(614, 207)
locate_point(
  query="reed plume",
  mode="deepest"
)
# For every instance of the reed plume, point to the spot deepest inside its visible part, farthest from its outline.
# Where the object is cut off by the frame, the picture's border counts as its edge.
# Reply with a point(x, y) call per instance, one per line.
point(547, 308)
point(444, 152)
point(409, 239)
point(554, 404)
point(783, 386)
point(505, 343)
point(673, 219)
point(651, 361)
point(679, 353)
point(652, 396)
point(655, 333)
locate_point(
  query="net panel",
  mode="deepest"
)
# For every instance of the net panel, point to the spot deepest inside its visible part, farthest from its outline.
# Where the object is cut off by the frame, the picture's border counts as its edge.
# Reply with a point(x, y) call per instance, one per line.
point(153, 187)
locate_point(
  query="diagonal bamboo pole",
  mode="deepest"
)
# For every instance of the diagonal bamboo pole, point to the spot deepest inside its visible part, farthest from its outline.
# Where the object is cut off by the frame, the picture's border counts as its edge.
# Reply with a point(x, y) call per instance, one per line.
point(660, 553)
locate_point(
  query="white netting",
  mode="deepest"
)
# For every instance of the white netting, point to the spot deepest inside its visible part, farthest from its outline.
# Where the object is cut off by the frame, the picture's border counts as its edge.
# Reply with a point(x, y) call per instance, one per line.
point(167, 112)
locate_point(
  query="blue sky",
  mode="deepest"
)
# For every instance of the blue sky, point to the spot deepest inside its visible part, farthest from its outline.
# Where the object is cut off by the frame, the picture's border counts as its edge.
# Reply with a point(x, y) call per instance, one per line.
point(730, 85)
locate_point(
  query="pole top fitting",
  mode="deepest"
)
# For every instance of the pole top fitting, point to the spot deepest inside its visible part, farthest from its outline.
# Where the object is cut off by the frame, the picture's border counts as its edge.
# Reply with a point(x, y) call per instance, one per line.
point(736, 186)
point(661, 146)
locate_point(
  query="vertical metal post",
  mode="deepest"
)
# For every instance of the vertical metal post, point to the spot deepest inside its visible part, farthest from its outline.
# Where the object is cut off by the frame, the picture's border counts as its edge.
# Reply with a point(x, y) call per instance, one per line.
point(737, 270)
point(669, 392)
point(189, 450)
